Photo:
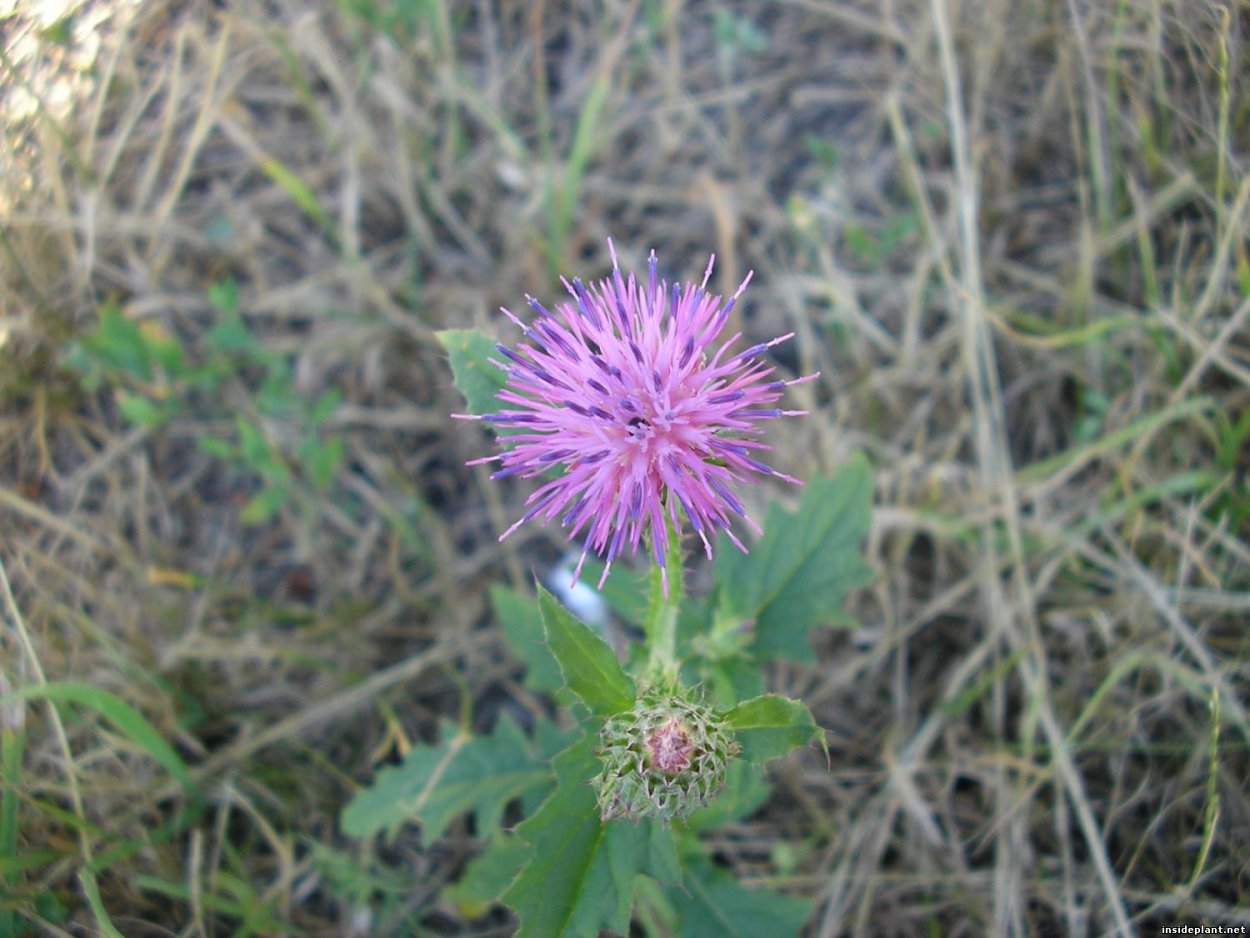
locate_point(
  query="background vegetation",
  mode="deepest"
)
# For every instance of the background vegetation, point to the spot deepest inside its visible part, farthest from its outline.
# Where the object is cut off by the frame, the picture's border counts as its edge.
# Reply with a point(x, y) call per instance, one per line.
point(244, 566)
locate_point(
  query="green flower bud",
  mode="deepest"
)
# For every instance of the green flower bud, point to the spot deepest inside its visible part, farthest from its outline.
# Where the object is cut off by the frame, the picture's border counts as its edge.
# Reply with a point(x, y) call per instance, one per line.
point(664, 758)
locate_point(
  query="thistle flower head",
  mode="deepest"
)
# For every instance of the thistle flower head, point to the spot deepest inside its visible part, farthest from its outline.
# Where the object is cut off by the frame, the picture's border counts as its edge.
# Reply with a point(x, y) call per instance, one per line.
point(664, 758)
point(626, 388)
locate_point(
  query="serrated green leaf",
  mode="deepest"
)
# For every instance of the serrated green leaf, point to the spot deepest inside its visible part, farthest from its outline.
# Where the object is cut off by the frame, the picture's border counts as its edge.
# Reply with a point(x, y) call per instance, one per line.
point(252, 443)
point(770, 726)
point(796, 577)
point(522, 626)
point(264, 504)
point(358, 877)
point(326, 404)
point(209, 377)
point(476, 378)
point(324, 458)
point(231, 335)
point(142, 411)
point(216, 446)
point(165, 351)
point(463, 773)
point(224, 295)
point(117, 343)
point(712, 903)
point(580, 878)
point(487, 876)
point(277, 396)
point(588, 664)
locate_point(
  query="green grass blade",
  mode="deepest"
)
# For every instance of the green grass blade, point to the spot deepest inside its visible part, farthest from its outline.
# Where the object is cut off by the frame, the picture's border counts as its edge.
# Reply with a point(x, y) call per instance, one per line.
point(300, 192)
point(1071, 459)
point(121, 714)
point(91, 889)
point(1211, 817)
point(12, 745)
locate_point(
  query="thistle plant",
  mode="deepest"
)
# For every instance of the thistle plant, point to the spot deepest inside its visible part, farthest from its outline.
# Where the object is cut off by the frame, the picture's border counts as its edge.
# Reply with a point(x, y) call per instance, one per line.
point(640, 424)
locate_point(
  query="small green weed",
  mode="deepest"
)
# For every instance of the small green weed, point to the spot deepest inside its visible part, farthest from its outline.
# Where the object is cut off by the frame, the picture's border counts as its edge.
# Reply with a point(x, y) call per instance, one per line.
point(736, 37)
point(588, 855)
point(156, 380)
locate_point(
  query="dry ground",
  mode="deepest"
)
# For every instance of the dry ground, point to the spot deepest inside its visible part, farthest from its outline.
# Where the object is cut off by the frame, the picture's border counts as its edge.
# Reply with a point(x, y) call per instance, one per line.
point(1011, 235)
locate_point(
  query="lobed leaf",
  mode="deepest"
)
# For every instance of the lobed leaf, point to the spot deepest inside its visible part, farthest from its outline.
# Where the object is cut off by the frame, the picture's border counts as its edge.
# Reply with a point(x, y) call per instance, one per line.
point(797, 575)
point(770, 726)
point(463, 773)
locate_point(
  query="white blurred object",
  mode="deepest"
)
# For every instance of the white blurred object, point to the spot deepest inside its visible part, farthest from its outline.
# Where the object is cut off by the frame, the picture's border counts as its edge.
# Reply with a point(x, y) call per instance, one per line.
point(582, 599)
point(512, 174)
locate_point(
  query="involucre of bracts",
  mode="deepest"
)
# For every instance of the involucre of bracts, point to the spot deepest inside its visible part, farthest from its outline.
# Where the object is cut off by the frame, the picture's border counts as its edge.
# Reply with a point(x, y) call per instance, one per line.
point(667, 756)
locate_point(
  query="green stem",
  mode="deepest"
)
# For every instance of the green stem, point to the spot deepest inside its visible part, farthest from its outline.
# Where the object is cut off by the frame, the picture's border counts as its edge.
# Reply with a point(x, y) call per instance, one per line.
point(661, 622)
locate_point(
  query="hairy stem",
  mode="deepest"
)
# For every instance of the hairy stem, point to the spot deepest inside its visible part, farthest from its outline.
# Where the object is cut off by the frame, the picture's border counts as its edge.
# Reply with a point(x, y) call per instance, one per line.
point(667, 591)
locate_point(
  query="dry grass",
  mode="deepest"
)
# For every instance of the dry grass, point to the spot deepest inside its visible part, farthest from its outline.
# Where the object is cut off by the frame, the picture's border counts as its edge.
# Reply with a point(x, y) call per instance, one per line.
point(1011, 236)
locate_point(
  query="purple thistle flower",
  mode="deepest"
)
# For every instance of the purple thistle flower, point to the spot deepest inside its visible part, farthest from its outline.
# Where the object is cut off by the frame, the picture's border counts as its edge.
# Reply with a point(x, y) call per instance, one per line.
point(617, 387)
